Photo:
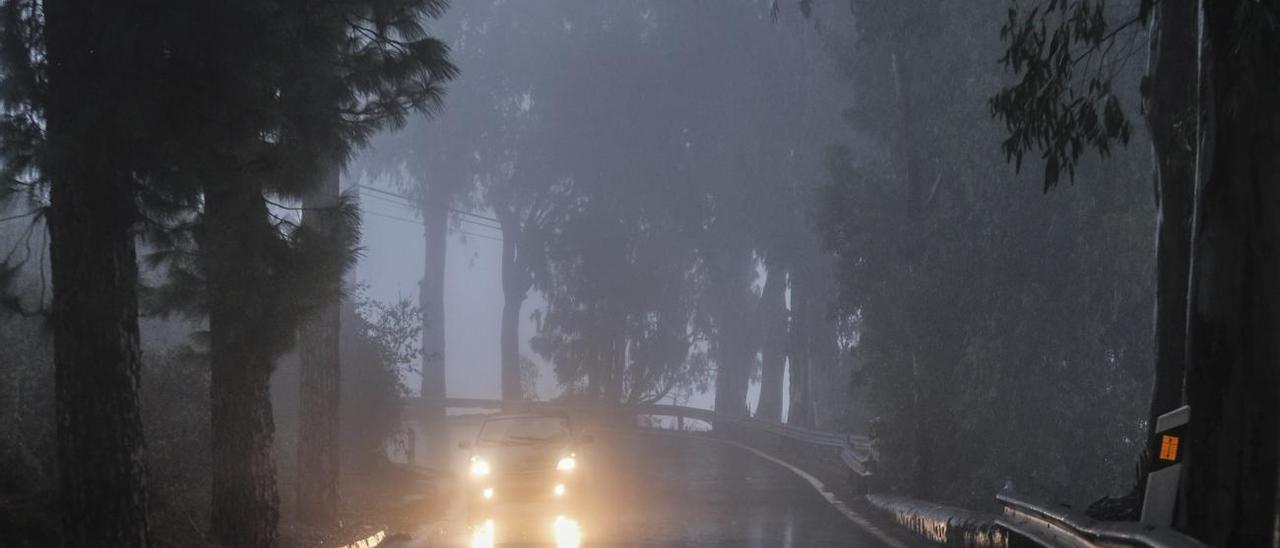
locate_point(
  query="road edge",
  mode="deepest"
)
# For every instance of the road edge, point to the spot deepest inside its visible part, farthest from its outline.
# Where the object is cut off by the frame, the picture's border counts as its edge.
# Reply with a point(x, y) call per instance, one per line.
point(849, 513)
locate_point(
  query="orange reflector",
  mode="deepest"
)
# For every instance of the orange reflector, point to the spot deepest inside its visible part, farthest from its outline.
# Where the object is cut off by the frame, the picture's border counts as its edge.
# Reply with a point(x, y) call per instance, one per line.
point(1169, 448)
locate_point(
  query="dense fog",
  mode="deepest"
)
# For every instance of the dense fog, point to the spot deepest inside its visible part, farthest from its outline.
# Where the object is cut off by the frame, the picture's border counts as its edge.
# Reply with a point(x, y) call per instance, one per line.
point(267, 241)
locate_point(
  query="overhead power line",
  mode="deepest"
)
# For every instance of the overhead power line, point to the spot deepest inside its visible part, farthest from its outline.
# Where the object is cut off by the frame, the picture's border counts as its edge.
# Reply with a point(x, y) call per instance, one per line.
point(419, 222)
point(469, 222)
point(410, 202)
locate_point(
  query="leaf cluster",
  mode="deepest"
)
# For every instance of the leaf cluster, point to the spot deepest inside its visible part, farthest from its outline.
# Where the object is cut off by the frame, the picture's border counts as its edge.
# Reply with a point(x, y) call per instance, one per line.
point(1065, 55)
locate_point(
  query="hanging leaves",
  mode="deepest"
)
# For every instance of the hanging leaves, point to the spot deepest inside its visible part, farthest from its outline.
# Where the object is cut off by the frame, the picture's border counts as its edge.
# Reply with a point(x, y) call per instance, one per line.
point(1063, 104)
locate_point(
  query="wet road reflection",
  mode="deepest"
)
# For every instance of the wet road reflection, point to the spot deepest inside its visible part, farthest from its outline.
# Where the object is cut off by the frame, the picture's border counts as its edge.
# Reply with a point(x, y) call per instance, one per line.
point(563, 532)
point(654, 490)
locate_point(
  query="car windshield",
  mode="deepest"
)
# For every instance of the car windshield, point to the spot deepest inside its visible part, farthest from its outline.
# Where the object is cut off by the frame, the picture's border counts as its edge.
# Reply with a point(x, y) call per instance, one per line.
point(524, 431)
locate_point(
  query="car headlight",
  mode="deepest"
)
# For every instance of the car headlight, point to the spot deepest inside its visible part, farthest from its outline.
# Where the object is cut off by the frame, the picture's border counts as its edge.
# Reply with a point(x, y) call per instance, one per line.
point(479, 467)
point(567, 463)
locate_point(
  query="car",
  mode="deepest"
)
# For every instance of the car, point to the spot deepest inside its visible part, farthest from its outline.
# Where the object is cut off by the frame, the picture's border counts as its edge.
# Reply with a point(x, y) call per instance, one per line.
point(523, 457)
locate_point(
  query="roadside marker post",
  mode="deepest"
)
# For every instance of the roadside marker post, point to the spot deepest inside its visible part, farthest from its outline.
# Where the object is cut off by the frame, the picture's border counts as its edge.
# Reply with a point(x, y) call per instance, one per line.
point(1162, 482)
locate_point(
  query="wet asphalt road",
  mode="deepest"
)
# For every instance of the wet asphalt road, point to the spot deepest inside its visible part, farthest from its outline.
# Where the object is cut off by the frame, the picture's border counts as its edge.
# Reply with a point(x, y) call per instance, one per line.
point(647, 489)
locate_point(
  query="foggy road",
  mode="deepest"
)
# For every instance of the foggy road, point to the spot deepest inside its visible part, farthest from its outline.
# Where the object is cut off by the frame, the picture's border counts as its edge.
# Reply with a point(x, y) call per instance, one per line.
point(648, 489)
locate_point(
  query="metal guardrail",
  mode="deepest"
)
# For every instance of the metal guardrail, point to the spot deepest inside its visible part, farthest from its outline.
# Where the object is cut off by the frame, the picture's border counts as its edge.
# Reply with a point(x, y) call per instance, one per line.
point(855, 451)
point(1058, 526)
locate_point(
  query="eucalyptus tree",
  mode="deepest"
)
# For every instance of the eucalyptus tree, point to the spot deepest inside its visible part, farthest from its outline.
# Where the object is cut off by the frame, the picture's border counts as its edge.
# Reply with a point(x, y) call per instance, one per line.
point(975, 308)
point(1232, 384)
point(1064, 103)
point(1213, 242)
point(535, 143)
point(503, 115)
point(621, 323)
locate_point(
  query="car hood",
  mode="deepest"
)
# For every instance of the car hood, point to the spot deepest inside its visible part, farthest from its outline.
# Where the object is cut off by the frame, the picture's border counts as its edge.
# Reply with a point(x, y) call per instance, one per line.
point(521, 458)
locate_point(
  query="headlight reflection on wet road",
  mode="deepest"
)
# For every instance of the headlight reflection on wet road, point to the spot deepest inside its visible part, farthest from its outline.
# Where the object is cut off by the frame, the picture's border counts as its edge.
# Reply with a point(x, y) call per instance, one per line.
point(484, 535)
point(566, 532)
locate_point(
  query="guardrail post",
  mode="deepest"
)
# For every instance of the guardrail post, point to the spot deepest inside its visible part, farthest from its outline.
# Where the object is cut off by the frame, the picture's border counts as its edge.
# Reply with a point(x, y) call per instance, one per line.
point(680, 423)
point(1162, 482)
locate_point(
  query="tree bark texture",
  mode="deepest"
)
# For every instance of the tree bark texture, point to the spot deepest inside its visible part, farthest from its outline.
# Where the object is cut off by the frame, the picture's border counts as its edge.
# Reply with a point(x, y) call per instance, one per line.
point(1233, 383)
point(93, 262)
point(1171, 119)
point(245, 505)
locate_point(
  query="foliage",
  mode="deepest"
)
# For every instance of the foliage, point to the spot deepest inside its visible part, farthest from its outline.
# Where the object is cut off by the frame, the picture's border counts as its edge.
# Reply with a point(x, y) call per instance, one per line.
point(1002, 334)
point(1067, 54)
point(380, 342)
point(395, 329)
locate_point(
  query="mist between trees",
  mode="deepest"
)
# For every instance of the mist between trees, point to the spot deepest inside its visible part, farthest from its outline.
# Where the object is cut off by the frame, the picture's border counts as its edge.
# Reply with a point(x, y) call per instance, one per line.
point(928, 221)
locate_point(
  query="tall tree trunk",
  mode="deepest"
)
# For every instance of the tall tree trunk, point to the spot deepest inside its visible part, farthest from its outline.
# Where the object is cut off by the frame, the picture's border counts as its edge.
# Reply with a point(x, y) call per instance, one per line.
point(515, 289)
point(772, 315)
point(101, 475)
point(799, 354)
point(435, 222)
point(615, 358)
point(319, 375)
point(908, 159)
point(905, 148)
point(922, 483)
point(1171, 119)
point(730, 274)
point(512, 387)
point(435, 231)
point(1233, 382)
point(735, 356)
point(244, 507)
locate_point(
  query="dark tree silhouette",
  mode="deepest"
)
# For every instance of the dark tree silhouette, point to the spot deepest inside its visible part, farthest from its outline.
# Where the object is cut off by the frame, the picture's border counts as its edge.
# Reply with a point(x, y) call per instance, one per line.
point(1233, 384)
point(78, 125)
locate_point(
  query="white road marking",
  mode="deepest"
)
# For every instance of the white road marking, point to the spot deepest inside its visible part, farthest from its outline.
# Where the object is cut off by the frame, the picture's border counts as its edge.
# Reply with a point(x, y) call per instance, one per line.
point(853, 515)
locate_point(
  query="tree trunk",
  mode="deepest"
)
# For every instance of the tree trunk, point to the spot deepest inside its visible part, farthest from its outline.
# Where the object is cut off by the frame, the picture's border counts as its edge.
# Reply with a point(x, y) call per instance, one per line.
point(909, 162)
point(1171, 119)
point(595, 379)
point(244, 507)
point(512, 387)
point(730, 271)
point(514, 290)
point(772, 315)
point(1233, 382)
point(615, 359)
point(93, 261)
point(435, 222)
point(734, 358)
point(799, 355)
point(319, 375)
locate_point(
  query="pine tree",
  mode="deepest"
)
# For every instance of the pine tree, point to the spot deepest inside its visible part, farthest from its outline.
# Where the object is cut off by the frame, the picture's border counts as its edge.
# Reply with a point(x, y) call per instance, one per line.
point(345, 81)
point(306, 83)
point(79, 131)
